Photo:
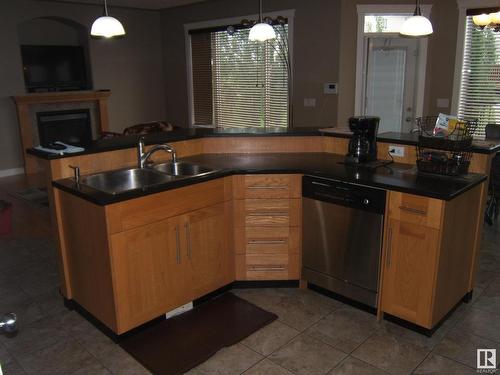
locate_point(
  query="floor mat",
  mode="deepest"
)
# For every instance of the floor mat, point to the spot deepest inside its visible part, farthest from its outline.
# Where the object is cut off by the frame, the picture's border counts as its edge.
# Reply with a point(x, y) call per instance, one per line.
point(176, 345)
point(34, 195)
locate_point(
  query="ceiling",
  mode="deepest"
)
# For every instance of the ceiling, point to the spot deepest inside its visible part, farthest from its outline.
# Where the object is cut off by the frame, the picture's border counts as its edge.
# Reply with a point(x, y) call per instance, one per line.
point(140, 4)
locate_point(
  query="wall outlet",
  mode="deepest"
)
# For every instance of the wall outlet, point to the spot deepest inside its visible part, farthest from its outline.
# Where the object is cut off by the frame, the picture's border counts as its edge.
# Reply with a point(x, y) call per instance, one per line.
point(309, 102)
point(330, 88)
point(397, 151)
point(180, 310)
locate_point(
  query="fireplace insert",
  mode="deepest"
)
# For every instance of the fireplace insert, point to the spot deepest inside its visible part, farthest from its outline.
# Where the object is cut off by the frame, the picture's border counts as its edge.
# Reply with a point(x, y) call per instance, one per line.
point(68, 126)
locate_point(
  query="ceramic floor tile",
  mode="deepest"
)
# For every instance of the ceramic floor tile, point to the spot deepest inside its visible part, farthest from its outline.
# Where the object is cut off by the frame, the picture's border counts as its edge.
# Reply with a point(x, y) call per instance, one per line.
point(435, 364)
point(271, 337)
point(461, 346)
point(354, 366)
point(12, 368)
point(5, 357)
point(95, 369)
point(266, 367)
point(390, 353)
point(345, 328)
point(65, 357)
point(93, 340)
point(119, 362)
point(229, 361)
point(306, 355)
point(13, 299)
point(481, 323)
point(489, 300)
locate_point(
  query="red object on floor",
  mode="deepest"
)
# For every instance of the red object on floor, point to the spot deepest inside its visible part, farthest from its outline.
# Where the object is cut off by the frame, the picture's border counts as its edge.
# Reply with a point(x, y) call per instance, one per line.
point(5, 218)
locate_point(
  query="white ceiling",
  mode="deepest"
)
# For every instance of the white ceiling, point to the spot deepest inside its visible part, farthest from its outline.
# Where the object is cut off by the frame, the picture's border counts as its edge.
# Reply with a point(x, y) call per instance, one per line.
point(141, 4)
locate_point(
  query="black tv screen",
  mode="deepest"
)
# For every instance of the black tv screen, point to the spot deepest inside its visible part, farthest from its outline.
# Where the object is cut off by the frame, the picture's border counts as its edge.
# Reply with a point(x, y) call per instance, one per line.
point(54, 68)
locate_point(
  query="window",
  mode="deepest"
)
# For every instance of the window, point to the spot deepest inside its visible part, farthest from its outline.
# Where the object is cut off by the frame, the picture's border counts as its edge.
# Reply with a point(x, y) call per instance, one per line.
point(378, 23)
point(238, 83)
point(479, 96)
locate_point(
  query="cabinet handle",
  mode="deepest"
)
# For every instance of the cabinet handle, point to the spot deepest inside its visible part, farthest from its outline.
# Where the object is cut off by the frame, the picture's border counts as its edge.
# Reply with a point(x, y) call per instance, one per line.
point(268, 267)
point(269, 213)
point(265, 242)
point(412, 210)
point(263, 187)
point(177, 245)
point(389, 247)
point(188, 239)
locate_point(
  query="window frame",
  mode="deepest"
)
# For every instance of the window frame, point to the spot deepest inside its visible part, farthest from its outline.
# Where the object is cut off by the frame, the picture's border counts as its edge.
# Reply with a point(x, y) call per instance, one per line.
point(463, 5)
point(287, 13)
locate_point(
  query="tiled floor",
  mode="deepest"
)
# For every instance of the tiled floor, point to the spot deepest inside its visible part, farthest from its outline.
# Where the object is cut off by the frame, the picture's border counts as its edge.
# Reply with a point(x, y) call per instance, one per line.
point(314, 334)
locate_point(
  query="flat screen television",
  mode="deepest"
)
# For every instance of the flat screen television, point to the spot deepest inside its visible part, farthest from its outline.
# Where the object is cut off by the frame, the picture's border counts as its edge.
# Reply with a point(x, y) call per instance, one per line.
point(54, 68)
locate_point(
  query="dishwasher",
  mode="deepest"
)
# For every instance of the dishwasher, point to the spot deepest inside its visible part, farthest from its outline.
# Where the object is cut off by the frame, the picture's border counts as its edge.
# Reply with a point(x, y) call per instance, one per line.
point(342, 237)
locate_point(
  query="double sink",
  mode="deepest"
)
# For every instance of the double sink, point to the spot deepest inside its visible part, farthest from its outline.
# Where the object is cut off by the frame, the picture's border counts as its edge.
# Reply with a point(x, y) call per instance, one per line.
point(124, 180)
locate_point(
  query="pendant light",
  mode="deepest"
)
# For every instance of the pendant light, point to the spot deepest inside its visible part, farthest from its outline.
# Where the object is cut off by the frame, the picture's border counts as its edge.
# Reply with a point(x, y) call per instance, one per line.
point(261, 31)
point(416, 25)
point(106, 26)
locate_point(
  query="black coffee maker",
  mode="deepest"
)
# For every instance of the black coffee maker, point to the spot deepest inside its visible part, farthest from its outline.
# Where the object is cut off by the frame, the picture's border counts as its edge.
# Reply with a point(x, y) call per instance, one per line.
point(363, 144)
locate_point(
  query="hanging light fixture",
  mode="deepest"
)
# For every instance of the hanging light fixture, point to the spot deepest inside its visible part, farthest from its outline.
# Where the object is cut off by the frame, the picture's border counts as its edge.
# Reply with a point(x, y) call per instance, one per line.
point(490, 20)
point(417, 25)
point(106, 26)
point(261, 31)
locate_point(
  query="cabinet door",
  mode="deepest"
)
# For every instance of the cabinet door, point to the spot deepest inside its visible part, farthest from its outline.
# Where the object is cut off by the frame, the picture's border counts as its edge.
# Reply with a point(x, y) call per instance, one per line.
point(208, 234)
point(410, 265)
point(150, 272)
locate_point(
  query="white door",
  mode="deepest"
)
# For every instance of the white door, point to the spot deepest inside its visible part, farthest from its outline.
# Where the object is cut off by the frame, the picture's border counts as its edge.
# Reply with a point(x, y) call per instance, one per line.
point(389, 86)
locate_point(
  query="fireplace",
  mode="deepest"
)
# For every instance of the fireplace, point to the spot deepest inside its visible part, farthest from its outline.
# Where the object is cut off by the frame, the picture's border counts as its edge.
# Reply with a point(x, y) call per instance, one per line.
point(69, 126)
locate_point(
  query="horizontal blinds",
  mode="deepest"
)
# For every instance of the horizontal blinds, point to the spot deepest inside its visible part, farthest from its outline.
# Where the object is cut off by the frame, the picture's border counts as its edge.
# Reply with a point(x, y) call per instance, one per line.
point(201, 55)
point(250, 80)
point(480, 83)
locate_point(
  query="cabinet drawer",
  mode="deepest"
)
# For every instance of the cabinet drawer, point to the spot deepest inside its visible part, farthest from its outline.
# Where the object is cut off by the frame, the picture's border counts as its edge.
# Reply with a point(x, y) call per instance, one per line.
point(267, 240)
point(416, 209)
point(267, 186)
point(266, 267)
point(267, 212)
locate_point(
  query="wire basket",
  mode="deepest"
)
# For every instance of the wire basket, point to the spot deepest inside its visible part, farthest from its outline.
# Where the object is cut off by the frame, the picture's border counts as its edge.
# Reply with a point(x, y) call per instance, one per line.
point(449, 154)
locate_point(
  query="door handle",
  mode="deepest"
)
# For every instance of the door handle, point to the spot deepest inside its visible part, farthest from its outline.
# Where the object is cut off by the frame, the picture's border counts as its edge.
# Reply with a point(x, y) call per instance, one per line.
point(188, 239)
point(177, 245)
point(389, 247)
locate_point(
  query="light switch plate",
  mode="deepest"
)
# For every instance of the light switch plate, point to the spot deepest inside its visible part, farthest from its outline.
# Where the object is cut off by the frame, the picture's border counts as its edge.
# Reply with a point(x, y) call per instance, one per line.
point(330, 88)
point(309, 102)
point(397, 151)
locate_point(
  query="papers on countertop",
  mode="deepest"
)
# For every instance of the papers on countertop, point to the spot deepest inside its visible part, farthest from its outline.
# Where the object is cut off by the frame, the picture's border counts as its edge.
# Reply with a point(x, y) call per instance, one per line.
point(68, 150)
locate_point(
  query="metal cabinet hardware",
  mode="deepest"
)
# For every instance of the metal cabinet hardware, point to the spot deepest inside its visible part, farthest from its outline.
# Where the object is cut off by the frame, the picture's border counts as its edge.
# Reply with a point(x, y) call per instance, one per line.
point(412, 210)
point(265, 242)
point(269, 213)
point(268, 268)
point(389, 247)
point(262, 187)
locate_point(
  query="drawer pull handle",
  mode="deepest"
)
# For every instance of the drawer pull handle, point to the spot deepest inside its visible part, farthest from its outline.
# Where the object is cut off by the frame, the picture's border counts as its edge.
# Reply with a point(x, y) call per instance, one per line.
point(266, 242)
point(389, 247)
point(263, 187)
point(268, 268)
point(415, 211)
point(177, 245)
point(269, 213)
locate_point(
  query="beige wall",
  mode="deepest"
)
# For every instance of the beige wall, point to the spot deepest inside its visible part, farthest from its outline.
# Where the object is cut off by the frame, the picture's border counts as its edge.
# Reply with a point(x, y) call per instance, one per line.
point(440, 57)
point(130, 67)
point(315, 44)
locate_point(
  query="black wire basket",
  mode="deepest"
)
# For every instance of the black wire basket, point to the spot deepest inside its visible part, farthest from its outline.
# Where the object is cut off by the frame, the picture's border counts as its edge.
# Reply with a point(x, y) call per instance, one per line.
point(448, 154)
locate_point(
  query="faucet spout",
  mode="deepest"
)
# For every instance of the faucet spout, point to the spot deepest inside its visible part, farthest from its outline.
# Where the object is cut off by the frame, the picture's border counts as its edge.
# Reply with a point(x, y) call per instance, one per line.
point(143, 157)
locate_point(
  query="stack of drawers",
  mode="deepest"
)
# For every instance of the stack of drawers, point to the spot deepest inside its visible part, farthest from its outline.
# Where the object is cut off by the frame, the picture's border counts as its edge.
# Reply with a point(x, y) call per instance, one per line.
point(267, 221)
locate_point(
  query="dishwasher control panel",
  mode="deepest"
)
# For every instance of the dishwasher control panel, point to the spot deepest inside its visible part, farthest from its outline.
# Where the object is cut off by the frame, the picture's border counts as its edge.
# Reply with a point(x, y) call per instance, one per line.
point(344, 193)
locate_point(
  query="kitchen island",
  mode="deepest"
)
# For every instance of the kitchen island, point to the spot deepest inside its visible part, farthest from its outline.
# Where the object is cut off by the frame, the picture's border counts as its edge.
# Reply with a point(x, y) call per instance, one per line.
point(152, 250)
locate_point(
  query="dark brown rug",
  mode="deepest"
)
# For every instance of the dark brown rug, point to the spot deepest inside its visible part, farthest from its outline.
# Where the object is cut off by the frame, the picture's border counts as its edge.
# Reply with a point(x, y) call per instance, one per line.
point(176, 345)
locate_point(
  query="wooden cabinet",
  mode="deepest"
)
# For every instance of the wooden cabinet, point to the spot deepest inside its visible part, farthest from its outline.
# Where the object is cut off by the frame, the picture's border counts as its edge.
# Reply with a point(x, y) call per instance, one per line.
point(427, 256)
point(150, 272)
point(267, 221)
point(149, 255)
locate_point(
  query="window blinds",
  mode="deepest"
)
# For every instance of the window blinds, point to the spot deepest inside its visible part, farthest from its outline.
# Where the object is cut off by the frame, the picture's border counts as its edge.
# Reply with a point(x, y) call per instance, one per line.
point(249, 81)
point(201, 56)
point(480, 83)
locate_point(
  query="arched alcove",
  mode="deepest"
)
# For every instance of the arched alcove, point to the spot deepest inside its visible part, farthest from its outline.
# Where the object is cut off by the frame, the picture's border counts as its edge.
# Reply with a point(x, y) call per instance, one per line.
point(55, 54)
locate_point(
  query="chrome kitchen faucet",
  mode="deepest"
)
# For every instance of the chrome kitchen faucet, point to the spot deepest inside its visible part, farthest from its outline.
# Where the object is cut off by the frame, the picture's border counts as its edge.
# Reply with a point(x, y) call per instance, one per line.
point(142, 157)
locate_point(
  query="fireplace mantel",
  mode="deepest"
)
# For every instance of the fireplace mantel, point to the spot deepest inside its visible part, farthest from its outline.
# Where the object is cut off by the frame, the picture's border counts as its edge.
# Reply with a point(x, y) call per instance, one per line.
point(24, 102)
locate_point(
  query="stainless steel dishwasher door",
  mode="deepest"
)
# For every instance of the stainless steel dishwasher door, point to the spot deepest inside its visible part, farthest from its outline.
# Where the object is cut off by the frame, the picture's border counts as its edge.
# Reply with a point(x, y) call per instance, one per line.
point(341, 249)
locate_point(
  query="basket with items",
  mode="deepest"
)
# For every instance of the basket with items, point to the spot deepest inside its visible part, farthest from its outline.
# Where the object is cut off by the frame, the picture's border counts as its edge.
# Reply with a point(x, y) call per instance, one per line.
point(444, 144)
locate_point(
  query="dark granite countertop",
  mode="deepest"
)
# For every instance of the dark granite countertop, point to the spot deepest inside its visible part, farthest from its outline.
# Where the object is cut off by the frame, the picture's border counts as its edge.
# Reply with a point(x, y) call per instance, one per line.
point(398, 177)
point(130, 141)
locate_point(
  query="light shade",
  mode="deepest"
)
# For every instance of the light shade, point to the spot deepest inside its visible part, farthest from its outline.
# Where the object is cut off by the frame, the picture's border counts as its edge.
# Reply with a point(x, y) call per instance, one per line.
point(262, 32)
point(107, 27)
point(482, 19)
point(416, 26)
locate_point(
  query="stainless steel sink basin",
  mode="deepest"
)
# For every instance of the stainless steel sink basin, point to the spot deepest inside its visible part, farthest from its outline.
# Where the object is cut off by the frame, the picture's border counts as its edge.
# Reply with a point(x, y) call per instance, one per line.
point(182, 169)
point(123, 180)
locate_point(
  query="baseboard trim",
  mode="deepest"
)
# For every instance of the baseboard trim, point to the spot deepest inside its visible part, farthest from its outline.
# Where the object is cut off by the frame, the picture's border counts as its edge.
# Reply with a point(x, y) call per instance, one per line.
point(11, 172)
